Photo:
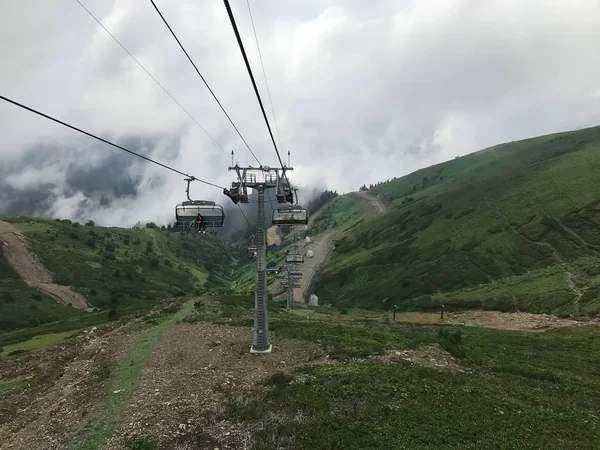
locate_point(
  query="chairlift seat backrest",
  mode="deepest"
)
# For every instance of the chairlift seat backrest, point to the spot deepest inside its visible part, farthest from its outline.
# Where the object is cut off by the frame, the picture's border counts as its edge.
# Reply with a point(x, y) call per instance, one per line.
point(290, 216)
point(294, 258)
point(212, 214)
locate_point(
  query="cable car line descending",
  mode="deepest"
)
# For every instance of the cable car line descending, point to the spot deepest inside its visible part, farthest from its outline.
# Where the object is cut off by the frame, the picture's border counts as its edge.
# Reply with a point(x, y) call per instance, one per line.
point(270, 198)
point(151, 76)
point(198, 71)
point(239, 39)
point(264, 73)
point(247, 221)
point(106, 142)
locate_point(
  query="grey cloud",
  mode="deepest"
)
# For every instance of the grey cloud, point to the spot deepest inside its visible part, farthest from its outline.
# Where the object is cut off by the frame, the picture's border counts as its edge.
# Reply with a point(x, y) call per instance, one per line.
point(363, 91)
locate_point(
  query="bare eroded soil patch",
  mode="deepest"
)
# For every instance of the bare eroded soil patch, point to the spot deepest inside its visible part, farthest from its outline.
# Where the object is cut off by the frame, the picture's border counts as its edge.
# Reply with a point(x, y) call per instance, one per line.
point(511, 321)
point(494, 319)
point(431, 356)
point(27, 265)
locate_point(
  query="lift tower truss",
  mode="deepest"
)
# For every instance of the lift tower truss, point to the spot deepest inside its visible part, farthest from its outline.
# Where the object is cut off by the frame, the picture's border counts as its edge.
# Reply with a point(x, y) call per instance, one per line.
point(260, 179)
point(293, 270)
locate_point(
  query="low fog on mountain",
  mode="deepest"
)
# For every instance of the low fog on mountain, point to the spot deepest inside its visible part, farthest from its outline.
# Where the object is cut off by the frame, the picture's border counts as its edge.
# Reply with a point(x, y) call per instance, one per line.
point(360, 93)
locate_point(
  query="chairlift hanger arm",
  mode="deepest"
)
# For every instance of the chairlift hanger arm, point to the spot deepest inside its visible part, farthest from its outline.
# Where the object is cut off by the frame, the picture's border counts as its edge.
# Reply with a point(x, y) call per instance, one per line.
point(187, 189)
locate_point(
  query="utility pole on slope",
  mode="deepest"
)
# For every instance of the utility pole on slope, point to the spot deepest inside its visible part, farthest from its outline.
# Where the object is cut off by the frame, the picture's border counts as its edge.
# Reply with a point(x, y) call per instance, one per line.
point(293, 260)
point(261, 178)
point(291, 267)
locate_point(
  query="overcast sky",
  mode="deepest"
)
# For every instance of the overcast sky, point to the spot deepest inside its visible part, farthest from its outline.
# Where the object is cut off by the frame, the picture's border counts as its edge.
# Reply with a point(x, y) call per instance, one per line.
point(362, 91)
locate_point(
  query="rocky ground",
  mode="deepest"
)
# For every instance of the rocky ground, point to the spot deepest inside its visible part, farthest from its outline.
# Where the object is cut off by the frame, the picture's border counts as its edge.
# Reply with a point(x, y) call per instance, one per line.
point(183, 390)
point(67, 383)
point(426, 356)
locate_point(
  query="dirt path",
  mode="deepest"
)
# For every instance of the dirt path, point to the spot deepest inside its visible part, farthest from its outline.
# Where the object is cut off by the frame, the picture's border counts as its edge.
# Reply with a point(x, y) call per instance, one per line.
point(180, 395)
point(68, 384)
point(493, 319)
point(322, 245)
point(370, 203)
point(26, 264)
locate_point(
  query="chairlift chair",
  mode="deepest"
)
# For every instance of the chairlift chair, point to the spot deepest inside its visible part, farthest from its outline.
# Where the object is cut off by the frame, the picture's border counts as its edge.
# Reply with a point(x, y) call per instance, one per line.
point(294, 215)
point(238, 193)
point(252, 252)
point(294, 258)
point(186, 213)
point(283, 192)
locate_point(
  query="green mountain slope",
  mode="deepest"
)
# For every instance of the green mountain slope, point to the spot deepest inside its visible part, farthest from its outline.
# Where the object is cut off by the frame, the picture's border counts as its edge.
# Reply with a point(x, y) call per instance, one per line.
point(512, 227)
point(114, 268)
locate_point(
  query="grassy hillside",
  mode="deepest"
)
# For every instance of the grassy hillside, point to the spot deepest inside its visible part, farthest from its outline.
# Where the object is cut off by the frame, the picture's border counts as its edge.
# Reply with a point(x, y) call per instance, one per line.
point(512, 227)
point(114, 268)
point(473, 387)
point(23, 306)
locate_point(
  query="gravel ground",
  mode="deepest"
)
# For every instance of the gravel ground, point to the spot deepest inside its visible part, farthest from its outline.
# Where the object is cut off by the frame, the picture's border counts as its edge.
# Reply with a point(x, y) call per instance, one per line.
point(182, 390)
point(67, 385)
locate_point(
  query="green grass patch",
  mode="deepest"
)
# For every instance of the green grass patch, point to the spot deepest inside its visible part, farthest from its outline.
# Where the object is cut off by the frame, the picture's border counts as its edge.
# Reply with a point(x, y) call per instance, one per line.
point(370, 406)
point(141, 443)
point(39, 342)
point(509, 398)
point(9, 386)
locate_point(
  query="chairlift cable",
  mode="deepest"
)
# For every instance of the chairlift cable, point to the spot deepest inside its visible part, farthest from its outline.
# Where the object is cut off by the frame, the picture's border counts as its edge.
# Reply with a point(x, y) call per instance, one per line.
point(241, 44)
point(106, 142)
point(151, 76)
point(243, 214)
point(198, 71)
point(270, 198)
point(264, 72)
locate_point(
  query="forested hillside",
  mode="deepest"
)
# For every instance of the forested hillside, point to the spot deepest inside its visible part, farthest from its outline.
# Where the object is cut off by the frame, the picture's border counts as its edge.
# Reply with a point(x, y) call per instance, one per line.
point(512, 227)
point(113, 268)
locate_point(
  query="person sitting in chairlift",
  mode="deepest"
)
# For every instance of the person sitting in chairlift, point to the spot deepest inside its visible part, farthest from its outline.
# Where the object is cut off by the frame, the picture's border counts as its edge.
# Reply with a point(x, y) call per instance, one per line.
point(201, 223)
